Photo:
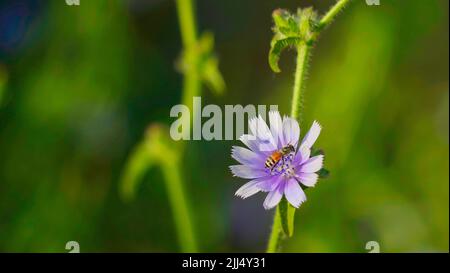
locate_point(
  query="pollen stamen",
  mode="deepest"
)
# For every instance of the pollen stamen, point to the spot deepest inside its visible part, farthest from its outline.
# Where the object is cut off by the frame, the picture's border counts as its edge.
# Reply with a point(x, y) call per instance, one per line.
point(284, 166)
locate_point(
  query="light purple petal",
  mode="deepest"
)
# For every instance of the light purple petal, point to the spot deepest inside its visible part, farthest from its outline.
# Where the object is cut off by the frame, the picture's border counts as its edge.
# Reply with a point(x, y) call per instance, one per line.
point(308, 179)
point(312, 165)
point(248, 157)
point(276, 127)
point(312, 135)
point(253, 125)
point(270, 184)
point(259, 128)
point(274, 197)
point(291, 131)
point(252, 142)
point(244, 171)
point(248, 189)
point(302, 155)
point(294, 193)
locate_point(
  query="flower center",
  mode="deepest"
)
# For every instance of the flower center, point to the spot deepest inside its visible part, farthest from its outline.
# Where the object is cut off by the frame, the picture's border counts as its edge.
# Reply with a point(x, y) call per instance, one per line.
point(284, 166)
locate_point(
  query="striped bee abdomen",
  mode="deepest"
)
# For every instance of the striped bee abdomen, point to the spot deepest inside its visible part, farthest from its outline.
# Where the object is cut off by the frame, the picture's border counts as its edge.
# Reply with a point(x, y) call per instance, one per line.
point(273, 159)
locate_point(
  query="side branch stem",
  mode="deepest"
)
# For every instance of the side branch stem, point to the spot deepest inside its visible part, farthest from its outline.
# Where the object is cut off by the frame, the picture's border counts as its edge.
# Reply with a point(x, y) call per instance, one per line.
point(332, 13)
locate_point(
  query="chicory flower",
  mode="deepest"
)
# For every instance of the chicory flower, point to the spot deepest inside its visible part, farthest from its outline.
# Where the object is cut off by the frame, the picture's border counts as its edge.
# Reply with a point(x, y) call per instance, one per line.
point(289, 167)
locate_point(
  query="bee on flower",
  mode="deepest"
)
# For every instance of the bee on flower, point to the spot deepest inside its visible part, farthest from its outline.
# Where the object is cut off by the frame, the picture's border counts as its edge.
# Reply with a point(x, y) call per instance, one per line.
point(275, 161)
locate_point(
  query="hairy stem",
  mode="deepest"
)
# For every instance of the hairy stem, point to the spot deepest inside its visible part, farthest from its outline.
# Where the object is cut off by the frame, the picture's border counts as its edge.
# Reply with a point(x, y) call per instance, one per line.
point(274, 244)
point(303, 51)
point(332, 13)
point(300, 74)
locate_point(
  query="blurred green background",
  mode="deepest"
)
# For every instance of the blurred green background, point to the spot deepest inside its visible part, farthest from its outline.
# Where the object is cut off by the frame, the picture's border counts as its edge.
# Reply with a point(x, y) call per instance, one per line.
point(80, 85)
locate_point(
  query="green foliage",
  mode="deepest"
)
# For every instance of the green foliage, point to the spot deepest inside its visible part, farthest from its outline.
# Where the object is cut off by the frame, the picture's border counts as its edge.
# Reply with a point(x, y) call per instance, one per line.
point(152, 151)
point(287, 212)
point(379, 89)
point(298, 31)
point(158, 149)
point(291, 30)
point(200, 58)
point(323, 173)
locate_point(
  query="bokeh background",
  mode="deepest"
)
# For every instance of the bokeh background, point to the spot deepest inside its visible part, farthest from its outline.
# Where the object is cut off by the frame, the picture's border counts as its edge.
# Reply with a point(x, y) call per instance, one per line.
point(80, 85)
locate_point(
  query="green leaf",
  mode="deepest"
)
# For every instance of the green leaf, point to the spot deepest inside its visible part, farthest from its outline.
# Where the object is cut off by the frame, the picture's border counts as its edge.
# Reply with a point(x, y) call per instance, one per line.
point(154, 149)
point(212, 77)
point(285, 23)
point(289, 30)
point(158, 148)
point(323, 173)
point(287, 213)
point(315, 152)
point(280, 18)
point(137, 164)
point(277, 48)
point(209, 64)
point(201, 58)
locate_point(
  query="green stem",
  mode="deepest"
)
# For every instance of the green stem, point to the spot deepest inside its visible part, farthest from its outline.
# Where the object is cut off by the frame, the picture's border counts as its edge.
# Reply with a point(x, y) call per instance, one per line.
point(191, 88)
point(187, 22)
point(332, 13)
point(300, 74)
point(180, 210)
point(172, 171)
point(303, 51)
point(3, 80)
point(191, 81)
point(274, 244)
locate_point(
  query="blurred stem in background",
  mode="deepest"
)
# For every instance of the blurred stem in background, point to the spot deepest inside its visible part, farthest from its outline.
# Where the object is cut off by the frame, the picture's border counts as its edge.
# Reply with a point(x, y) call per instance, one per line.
point(198, 64)
point(191, 81)
point(305, 34)
point(159, 150)
point(3, 80)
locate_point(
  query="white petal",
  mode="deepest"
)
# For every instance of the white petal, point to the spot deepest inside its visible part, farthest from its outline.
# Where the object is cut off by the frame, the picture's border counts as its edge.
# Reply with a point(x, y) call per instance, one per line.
point(259, 128)
point(248, 189)
point(274, 197)
point(294, 193)
point(312, 165)
point(250, 141)
point(276, 127)
point(265, 135)
point(248, 172)
point(312, 135)
point(253, 126)
point(308, 179)
point(247, 157)
point(291, 131)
